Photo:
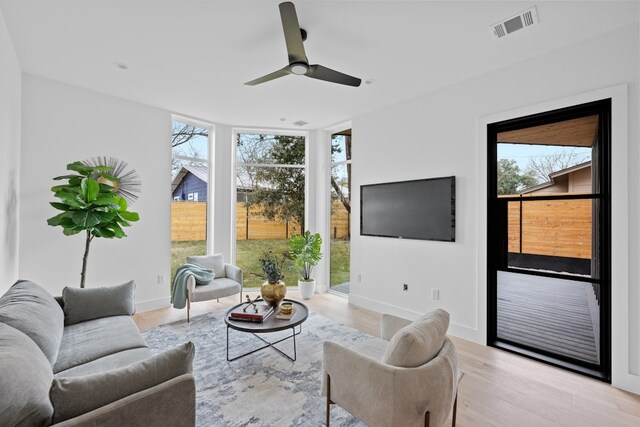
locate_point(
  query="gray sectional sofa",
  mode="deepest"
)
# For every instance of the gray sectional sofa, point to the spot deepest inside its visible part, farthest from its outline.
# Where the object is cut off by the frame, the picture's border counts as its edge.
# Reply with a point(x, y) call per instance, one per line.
point(80, 360)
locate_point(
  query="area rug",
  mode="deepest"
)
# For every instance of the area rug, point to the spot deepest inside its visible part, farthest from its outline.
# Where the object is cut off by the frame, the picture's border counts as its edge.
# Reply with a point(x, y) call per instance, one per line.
point(262, 389)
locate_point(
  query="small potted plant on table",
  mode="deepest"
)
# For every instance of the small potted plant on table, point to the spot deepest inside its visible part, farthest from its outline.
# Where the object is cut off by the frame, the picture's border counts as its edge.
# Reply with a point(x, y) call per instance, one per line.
point(274, 289)
point(305, 252)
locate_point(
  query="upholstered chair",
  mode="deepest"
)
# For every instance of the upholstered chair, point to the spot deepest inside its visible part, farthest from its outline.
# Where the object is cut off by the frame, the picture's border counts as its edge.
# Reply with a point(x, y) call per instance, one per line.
point(227, 280)
point(410, 381)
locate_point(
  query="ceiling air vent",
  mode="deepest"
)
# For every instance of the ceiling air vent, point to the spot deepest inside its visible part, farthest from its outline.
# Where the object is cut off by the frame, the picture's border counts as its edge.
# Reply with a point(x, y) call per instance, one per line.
point(300, 123)
point(522, 20)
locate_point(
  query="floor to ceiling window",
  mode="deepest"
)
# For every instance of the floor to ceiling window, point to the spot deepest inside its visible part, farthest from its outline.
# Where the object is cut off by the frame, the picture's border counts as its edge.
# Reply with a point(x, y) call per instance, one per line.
point(340, 247)
point(189, 190)
point(549, 244)
point(270, 200)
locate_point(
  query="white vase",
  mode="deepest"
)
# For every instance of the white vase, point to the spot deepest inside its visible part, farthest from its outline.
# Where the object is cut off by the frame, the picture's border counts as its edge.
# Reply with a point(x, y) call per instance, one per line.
point(307, 289)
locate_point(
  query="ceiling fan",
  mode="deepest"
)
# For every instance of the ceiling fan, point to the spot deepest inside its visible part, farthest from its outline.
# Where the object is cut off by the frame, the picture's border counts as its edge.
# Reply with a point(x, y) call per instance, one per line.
point(298, 62)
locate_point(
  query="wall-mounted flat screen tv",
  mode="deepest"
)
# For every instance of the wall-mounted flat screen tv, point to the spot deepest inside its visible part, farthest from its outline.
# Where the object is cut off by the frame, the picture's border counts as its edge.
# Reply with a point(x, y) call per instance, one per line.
point(422, 209)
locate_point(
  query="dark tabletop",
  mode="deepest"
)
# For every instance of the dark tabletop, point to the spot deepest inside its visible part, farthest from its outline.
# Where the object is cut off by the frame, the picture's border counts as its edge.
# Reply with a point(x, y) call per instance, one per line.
point(271, 324)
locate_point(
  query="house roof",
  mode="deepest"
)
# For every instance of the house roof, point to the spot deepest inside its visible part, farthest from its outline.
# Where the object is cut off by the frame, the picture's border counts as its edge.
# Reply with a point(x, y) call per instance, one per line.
point(553, 177)
point(407, 47)
point(200, 172)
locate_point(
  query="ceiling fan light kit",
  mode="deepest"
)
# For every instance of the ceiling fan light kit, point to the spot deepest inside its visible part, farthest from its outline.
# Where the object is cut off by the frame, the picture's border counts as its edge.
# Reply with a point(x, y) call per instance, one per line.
point(299, 68)
point(298, 62)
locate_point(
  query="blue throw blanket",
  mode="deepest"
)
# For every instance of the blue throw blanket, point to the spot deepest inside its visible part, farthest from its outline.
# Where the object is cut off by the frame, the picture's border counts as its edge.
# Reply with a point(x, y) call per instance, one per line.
point(203, 276)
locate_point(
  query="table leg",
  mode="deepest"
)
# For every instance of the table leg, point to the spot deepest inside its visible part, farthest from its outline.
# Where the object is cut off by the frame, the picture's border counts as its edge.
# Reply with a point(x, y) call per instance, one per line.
point(269, 344)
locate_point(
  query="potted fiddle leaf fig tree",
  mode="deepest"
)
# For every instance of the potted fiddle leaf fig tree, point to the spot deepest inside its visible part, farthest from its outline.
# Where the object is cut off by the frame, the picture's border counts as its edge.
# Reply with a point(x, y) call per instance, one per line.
point(305, 252)
point(90, 203)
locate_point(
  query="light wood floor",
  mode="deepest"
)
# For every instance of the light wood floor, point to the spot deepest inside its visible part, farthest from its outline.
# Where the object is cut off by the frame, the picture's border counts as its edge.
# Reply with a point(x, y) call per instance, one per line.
point(498, 389)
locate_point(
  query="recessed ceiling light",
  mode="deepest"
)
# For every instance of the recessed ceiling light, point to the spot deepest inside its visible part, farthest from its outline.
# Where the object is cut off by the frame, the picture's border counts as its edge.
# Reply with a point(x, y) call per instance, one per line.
point(369, 81)
point(121, 65)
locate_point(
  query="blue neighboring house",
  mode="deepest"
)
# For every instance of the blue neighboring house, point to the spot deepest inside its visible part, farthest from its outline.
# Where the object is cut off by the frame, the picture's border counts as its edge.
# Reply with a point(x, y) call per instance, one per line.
point(190, 184)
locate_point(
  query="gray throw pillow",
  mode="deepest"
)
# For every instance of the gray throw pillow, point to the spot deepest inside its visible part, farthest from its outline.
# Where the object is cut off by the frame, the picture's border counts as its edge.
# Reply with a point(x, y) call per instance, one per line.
point(78, 395)
point(214, 262)
point(33, 311)
point(25, 379)
point(418, 342)
point(82, 304)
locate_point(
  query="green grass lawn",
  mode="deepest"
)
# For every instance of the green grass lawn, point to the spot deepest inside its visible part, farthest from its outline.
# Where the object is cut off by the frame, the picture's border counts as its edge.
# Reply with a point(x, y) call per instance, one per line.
point(181, 250)
point(248, 253)
point(340, 261)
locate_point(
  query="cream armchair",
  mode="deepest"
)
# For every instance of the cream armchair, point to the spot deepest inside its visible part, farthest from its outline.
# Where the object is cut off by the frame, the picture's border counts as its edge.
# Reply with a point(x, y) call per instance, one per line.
point(227, 281)
point(411, 381)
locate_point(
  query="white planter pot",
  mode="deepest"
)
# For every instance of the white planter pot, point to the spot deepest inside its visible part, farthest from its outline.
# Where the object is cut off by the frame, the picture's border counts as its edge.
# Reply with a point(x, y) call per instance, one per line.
point(307, 289)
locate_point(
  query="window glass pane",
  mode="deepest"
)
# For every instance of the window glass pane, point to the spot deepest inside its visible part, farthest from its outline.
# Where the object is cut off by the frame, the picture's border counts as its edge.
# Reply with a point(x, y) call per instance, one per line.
point(269, 202)
point(189, 146)
point(270, 149)
point(340, 149)
point(189, 192)
point(554, 315)
point(543, 169)
point(552, 235)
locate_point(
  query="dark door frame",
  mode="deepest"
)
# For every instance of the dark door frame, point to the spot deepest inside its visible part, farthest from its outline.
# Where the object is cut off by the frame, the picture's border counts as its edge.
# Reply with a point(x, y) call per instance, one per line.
point(496, 238)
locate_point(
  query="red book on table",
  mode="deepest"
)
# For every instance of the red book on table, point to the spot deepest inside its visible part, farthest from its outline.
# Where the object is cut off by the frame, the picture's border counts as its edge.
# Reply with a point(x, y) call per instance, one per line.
point(246, 312)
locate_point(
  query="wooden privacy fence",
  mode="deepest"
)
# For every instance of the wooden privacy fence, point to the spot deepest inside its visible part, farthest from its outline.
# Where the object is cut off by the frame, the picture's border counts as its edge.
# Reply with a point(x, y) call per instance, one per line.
point(189, 223)
point(551, 227)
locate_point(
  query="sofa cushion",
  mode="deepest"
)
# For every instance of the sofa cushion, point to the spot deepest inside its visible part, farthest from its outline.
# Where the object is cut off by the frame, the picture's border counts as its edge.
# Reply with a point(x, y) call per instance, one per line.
point(25, 379)
point(88, 341)
point(214, 262)
point(33, 311)
point(418, 342)
point(106, 363)
point(78, 395)
point(82, 304)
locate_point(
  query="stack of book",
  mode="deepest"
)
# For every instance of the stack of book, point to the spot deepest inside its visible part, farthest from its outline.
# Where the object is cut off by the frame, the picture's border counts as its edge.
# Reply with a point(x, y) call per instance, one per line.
point(249, 313)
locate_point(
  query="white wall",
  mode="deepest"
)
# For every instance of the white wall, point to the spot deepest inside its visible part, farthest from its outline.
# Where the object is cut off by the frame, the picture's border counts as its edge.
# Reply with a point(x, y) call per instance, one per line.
point(437, 135)
point(10, 114)
point(62, 124)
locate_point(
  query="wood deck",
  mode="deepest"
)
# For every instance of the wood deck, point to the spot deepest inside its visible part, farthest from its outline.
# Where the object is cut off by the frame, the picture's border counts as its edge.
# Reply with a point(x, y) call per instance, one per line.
point(559, 316)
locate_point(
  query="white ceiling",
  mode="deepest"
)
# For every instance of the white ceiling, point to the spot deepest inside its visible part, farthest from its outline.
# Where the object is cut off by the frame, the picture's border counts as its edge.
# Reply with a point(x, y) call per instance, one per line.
point(192, 57)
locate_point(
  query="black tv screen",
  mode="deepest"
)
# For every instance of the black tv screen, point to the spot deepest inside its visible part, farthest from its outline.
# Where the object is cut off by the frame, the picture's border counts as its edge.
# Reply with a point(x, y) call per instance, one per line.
point(422, 209)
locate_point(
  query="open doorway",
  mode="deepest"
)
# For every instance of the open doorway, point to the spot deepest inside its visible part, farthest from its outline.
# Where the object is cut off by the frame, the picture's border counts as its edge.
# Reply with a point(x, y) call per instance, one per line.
point(340, 231)
point(549, 250)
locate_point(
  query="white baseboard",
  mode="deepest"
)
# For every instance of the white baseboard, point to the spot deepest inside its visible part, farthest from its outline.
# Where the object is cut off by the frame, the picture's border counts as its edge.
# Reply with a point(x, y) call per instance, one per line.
point(457, 330)
point(153, 304)
point(381, 307)
point(629, 382)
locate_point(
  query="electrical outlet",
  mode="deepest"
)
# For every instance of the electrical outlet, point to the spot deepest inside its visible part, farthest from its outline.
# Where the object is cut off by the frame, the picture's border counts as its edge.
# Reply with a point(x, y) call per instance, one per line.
point(160, 279)
point(435, 293)
point(405, 287)
point(359, 277)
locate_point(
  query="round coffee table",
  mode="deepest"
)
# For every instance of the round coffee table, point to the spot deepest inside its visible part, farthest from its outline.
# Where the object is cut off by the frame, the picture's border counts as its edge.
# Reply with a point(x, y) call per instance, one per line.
point(272, 324)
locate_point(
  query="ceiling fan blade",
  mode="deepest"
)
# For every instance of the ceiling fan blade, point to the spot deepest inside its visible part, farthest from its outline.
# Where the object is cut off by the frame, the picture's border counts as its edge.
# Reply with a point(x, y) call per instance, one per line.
point(276, 74)
point(327, 74)
point(292, 34)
